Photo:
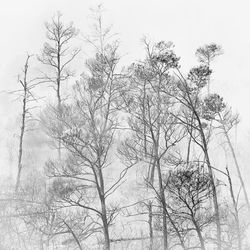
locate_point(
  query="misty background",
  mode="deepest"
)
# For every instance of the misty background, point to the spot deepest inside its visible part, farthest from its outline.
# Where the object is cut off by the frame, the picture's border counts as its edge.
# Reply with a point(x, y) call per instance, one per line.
point(188, 24)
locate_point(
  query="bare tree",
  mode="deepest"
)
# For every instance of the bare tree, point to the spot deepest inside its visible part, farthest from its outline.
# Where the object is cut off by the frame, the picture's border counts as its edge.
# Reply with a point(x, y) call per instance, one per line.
point(90, 127)
point(152, 125)
point(27, 86)
point(192, 117)
point(57, 55)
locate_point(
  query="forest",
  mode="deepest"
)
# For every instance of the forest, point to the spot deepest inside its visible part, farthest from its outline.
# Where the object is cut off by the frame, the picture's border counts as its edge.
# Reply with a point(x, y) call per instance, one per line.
point(132, 156)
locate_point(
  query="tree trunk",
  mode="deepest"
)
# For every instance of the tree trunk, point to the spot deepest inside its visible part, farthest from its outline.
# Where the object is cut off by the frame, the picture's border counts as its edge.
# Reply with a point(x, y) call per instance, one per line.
point(215, 198)
point(150, 223)
point(176, 230)
point(236, 164)
point(24, 111)
point(163, 206)
point(58, 94)
point(210, 170)
point(20, 151)
point(198, 231)
point(105, 226)
point(104, 209)
point(200, 238)
point(235, 210)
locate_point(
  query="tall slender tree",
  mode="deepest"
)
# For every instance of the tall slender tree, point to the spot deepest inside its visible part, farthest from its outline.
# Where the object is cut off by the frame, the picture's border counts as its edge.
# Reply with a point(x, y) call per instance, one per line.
point(190, 98)
point(91, 123)
point(57, 54)
point(153, 126)
point(27, 96)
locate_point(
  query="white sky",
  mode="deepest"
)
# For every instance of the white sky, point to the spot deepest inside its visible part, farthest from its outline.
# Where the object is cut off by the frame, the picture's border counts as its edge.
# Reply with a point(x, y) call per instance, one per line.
point(187, 23)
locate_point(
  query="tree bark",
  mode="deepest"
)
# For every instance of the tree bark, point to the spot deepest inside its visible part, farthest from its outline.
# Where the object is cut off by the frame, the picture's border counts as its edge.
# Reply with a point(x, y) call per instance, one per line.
point(105, 225)
point(150, 223)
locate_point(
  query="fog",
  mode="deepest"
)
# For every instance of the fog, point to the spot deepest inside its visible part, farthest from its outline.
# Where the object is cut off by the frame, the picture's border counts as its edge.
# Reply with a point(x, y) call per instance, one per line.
point(188, 24)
